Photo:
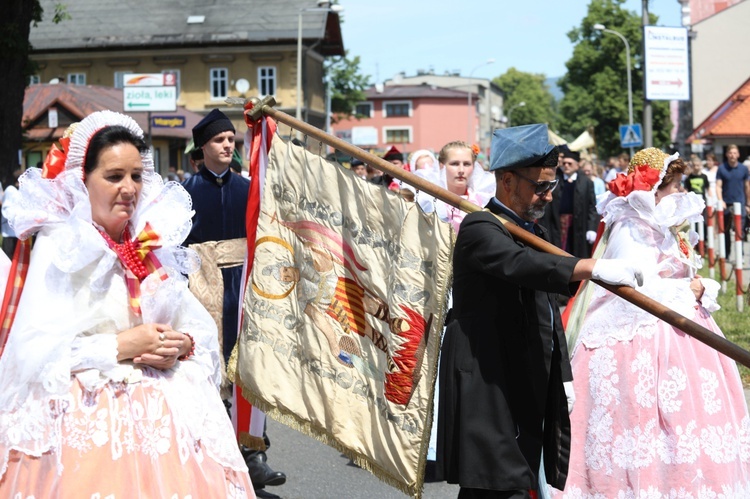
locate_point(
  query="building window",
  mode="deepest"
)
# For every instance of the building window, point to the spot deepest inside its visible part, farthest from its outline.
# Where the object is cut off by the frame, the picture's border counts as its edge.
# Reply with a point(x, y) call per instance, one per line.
point(397, 108)
point(363, 109)
point(120, 78)
point(397, 135)
point(33, 158)
point(77, 78)
point(34, 80)
point(218, 82)
point(175, 78)
point(267, 80)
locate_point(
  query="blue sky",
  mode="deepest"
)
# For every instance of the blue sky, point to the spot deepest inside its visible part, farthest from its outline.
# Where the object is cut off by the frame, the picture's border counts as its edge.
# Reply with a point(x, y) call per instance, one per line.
point(406, 35)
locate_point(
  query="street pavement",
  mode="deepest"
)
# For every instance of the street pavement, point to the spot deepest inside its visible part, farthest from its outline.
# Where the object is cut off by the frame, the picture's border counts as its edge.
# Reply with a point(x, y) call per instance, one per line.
point(316, 471)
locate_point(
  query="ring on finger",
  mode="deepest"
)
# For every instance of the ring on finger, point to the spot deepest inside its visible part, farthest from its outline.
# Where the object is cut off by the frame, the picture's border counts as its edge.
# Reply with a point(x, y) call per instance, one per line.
point(162, 337)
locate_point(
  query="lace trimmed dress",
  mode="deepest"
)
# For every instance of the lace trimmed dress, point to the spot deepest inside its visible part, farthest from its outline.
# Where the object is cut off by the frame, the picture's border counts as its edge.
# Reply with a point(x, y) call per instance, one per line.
point(657, 413)
point(75, 422)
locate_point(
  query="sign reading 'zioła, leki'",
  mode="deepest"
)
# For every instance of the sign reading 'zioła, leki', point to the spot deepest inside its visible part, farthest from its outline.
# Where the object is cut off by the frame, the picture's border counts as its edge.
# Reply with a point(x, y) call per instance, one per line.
point(149, 92)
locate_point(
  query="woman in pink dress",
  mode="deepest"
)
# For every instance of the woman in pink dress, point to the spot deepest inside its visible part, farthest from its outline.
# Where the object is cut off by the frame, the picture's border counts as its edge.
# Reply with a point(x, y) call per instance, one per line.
point(657, 413)
point(109, 380)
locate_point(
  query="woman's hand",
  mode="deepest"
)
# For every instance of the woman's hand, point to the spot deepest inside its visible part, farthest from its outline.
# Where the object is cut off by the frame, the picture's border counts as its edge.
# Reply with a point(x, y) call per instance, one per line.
point(696, 286)
point(146, 338)
point(155, 345)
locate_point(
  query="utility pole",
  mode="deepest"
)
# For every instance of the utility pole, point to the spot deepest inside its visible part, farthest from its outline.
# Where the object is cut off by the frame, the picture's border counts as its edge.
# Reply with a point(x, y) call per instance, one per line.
point(648, 132)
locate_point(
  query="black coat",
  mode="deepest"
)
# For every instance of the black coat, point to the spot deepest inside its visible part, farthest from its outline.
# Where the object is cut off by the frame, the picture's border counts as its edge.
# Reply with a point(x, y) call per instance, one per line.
point(220, 209)
point(504, 360)
point(585, 216)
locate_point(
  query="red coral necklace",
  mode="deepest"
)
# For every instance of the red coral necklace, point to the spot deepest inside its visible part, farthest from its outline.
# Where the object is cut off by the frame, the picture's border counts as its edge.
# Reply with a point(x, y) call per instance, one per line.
point(127, 252)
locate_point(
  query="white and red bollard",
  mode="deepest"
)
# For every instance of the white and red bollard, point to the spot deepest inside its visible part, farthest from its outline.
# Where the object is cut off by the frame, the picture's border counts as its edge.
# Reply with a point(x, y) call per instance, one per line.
point(710, 241)
point(722, 250)
point(738, 253)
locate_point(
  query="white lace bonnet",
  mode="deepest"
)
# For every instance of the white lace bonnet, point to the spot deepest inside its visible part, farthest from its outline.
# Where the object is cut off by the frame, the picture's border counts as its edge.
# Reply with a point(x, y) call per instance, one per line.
point(89, 126)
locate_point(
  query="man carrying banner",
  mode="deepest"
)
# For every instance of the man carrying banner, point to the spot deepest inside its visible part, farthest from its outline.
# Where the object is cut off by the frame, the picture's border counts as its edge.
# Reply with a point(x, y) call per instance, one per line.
point(505, 374)
point(220, 201)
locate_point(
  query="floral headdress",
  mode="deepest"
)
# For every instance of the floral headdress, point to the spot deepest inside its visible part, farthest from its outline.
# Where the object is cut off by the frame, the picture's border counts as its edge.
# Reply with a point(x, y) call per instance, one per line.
point(645, 172)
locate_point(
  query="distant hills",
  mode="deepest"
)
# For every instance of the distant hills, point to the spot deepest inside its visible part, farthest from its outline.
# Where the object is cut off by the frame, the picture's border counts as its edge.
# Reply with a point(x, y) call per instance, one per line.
point(556, 92)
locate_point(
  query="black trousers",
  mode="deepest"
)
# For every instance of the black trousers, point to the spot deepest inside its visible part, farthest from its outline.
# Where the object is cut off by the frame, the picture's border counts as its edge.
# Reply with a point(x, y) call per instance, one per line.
point(9, 246)
point(466, 493)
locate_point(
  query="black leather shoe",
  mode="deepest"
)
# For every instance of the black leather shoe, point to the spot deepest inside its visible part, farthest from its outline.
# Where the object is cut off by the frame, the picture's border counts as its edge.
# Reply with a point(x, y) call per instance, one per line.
point(260, 473)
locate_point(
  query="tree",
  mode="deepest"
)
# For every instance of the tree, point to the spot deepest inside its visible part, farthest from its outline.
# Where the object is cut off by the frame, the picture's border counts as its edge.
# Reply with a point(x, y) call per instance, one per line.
point(16, 67)
point(348, 85)
point(531, 89)
point(595, 86)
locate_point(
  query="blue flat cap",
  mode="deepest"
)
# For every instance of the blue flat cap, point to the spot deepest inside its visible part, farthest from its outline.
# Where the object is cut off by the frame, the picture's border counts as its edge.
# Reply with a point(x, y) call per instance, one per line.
point(522, 147)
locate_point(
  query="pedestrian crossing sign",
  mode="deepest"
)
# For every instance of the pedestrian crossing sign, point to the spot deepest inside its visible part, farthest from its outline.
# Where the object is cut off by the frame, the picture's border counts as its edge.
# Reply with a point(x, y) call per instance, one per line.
point(631, 136)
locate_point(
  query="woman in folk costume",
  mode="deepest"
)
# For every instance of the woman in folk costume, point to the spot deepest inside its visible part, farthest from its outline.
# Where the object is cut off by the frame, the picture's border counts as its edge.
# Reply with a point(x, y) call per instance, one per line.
point(109, 379)
point(657, 413)
point(458, 172)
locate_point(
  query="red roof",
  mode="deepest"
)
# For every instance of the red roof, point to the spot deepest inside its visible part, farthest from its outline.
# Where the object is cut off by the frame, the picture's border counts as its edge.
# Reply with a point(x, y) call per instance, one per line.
point(730, 119)
point(82, 100)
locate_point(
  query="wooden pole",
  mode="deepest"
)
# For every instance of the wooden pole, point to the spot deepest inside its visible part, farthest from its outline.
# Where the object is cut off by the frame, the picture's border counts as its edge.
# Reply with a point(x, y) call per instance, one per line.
point(638, 299)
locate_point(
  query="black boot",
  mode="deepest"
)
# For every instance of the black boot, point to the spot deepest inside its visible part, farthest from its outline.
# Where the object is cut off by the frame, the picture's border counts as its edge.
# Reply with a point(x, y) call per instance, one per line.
point(260, 472)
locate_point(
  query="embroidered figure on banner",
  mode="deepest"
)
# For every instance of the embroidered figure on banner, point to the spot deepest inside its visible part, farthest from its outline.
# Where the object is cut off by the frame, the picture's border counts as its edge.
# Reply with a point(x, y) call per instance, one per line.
point(325, 277)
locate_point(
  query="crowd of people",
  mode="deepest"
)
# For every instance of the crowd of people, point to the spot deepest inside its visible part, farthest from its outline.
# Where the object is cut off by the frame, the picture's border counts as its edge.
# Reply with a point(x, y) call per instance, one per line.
point(624, 404)
point(125, 393)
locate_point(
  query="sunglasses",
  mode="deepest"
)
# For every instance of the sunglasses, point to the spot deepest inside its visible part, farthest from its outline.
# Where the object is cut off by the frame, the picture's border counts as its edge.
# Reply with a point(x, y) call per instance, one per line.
point(541, 188)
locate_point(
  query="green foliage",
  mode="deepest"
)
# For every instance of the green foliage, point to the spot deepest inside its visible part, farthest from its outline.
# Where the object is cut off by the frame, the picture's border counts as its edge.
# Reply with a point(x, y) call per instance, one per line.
point(348, 84)
point(530, 88)
point(732, 322)
point(596, 85)
point(61, 13)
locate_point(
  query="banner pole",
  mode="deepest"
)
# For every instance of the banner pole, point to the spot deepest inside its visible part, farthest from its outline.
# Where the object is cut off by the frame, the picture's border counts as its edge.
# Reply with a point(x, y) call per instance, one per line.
point(702, 334)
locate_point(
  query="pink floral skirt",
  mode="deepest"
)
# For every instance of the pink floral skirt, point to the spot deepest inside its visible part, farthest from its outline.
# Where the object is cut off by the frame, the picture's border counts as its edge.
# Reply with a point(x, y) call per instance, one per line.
point(122, 442)
point(661, 415)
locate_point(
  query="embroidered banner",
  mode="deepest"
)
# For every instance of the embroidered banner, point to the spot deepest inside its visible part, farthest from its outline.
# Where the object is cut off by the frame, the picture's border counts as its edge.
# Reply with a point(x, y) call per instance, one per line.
point(343, 312)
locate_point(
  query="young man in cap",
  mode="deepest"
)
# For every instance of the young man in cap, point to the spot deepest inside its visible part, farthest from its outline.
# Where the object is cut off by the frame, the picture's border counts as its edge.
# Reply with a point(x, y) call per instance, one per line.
point(394, 156)
point(571, 218)
point(505, 390)
point(220, 201)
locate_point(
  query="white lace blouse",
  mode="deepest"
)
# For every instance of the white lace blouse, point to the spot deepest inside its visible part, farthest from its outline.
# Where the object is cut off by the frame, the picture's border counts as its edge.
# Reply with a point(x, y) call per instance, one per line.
point(648, 234)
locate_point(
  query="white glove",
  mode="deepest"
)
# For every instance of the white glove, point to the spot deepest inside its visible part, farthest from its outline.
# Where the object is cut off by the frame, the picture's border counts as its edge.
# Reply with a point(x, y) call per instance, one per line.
point(590, 236)
point(619, 272)
point(570, 395)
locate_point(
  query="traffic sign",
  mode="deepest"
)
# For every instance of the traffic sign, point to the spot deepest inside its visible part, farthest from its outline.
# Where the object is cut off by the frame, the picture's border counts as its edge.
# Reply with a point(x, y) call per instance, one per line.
point(137, 98)
point(631, 136)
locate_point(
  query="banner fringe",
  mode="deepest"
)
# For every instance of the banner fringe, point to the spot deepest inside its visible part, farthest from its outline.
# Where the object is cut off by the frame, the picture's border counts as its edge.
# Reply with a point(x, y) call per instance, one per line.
point(251, 442)
point(320, 434)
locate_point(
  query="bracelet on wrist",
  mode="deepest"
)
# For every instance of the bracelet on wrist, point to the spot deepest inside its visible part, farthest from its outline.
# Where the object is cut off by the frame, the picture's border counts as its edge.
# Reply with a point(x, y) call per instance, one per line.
point(191, 352)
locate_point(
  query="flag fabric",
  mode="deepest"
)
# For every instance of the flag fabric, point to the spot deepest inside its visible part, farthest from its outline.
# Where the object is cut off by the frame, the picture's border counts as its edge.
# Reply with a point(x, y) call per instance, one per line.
point(13, 279)
point(343, 310)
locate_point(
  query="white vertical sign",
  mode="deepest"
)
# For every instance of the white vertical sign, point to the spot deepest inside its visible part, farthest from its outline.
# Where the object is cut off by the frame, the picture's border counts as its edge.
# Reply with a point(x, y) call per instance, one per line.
point(667, 63)
point(52, 117)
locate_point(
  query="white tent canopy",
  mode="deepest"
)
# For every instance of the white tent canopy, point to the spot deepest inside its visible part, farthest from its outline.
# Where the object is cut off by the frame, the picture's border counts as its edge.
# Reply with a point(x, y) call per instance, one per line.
point(583, 141)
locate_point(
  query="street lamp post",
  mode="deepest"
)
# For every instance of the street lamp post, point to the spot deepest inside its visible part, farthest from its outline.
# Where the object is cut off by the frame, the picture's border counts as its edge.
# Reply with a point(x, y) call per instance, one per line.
point(323, 6)
point(468, 99)
point(601, 27)
point(510, 111)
